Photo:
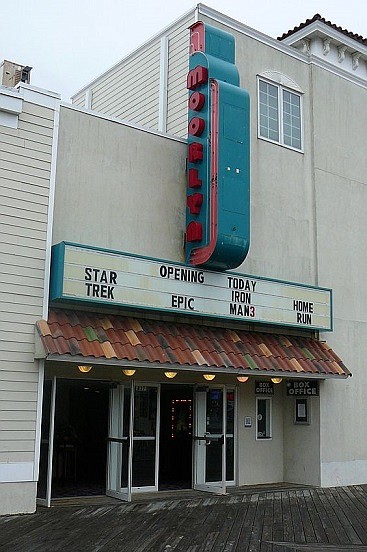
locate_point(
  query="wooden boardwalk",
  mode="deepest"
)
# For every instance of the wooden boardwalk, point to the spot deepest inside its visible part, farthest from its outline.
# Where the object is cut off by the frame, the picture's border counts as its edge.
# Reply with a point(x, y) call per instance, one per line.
point(292, 520)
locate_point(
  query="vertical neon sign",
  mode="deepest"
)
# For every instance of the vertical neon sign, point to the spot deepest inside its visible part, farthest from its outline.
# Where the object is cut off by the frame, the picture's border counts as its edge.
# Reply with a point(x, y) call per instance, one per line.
point(218, 186)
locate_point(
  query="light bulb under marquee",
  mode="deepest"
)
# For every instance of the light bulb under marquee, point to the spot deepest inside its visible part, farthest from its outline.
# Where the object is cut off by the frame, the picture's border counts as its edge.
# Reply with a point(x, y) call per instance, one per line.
point(170, 375)
point(84, 369)
point(209, 377)
point(277, 380)
point(242, 379)
point(129, 372)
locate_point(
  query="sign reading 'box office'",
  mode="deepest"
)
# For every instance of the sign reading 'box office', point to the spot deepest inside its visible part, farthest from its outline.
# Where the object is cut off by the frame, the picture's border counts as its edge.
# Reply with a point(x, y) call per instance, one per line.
point(81, 273)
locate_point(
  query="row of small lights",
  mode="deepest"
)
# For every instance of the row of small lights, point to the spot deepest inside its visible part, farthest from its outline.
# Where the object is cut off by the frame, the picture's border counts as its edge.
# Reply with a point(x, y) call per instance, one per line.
point(171, 375)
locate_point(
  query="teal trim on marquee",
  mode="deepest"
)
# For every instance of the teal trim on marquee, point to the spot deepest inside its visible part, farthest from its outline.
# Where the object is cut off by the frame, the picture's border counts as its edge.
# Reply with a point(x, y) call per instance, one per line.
point(57, 270)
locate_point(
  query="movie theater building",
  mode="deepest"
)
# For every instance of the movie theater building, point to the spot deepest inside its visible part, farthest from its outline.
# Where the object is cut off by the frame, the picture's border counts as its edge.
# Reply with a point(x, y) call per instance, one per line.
point(206, 305)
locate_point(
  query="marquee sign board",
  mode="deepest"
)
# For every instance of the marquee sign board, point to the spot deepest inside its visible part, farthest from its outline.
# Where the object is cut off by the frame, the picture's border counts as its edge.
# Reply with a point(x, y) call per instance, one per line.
point(81, 273)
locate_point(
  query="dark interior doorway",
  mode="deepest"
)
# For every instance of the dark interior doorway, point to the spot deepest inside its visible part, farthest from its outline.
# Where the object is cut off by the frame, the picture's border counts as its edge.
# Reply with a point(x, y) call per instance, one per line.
point(81, 428)
point(176, 426)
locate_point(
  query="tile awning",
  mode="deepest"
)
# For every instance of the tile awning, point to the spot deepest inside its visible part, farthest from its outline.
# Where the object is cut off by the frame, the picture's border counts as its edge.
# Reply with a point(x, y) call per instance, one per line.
point(107, 338)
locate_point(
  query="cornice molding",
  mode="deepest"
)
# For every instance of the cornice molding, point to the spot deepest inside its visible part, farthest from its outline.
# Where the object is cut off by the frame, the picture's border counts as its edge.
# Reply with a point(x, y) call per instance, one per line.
point(327, 32)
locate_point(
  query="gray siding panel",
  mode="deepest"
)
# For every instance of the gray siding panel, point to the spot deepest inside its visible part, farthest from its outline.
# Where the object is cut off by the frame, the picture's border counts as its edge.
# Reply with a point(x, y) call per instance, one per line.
point(25, 164)
point(131, 90)
point(79, 99)
point(178, 64)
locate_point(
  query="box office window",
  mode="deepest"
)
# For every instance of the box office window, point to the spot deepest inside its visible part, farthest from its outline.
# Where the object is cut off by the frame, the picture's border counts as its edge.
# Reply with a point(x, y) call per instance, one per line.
point(279, 115)
point(263, 418)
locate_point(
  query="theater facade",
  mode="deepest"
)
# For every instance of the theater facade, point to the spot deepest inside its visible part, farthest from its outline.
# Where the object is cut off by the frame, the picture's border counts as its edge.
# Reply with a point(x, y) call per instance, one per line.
point(205, 304)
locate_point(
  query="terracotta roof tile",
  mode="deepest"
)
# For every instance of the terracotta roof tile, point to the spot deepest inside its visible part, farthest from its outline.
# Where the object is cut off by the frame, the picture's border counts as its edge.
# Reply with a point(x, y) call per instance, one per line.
point(133, 338)
point(199, 357)
point(86, 334)
point(318, 17)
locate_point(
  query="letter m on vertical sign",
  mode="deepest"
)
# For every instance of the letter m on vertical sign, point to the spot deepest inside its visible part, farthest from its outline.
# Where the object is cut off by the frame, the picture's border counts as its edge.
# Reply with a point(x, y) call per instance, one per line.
point(218, 186)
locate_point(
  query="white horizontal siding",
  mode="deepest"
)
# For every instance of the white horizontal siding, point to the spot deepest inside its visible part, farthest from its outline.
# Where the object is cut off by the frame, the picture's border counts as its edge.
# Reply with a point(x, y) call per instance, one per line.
point(22, 445)
point(22, 376)
point(79, 100)
point(131, 90)
point(20, 149)
point(127, 70)
point(130, 78)
point(15, 318)
point(17, 415)
point(18, 279)
point(25, 164)
point(13, 426)
point(178, 65)
point(145, 103)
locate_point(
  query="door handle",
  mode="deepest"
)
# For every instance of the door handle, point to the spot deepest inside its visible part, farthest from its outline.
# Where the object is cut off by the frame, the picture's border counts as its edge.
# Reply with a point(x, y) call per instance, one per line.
point(117, 440)
point(205, 438)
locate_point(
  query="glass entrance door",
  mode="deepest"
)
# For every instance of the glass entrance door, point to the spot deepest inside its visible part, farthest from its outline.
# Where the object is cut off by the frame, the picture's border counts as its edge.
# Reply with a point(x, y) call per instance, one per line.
point(132, 441)
point(214, 439)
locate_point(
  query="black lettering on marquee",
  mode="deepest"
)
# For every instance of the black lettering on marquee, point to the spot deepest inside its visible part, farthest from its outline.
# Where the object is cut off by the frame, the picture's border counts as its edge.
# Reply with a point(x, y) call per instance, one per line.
point(101, 288)
point(242, 310)
point(181, 274)
point(182, 302)
point(241, 283)
point(304, 311)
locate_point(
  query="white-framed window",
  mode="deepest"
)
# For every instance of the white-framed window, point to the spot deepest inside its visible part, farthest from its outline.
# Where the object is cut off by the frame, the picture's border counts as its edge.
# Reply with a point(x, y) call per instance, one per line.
point(279, 114)
point(263, 418)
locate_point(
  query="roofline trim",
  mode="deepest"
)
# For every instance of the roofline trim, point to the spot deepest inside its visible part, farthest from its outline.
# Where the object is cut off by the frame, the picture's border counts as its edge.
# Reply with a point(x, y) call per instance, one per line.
point(122, 122)
point(252, 33)
point(323, 64)
point(321, 27)
point(183, 368)
point(282, 46)
point(137, 50)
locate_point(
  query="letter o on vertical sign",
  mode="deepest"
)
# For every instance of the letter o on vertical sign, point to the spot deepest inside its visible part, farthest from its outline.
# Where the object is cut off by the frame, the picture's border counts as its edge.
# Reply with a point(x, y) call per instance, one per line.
point(196, 101)
point(196, 126)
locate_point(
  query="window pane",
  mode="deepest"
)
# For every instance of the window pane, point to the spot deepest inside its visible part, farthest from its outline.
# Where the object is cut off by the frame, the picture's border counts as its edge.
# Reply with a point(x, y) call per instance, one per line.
point(263, 418)
point(268, 109)
point(291, 119)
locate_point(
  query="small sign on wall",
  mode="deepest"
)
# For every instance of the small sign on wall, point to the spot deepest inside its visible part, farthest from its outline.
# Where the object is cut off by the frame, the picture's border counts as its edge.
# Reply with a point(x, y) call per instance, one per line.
point(302, 387)
point(302, 411)
point(264, 388)
point(248, 421)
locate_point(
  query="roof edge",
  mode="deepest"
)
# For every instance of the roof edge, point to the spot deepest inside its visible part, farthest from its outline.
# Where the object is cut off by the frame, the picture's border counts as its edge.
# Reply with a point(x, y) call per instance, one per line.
point(75, 360)
point(318, 18)
point(137, 50)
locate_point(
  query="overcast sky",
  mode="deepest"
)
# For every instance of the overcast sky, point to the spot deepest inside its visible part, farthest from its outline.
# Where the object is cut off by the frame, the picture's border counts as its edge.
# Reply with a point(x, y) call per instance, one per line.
point(70, 42)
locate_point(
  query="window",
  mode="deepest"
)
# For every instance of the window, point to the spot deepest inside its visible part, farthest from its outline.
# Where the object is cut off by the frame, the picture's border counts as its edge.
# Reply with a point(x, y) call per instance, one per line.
point(279, 115)
point(263, 418)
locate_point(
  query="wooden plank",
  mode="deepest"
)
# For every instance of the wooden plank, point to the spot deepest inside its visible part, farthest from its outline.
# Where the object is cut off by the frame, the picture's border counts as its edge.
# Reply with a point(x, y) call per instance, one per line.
point(314, 518)
point(308, 529)
point(248, 523)
point(196, 519)
point(356, 515)
point(333, 497)
point(255, 535)
point(228, 518)
point(267, 528)
point(297, 522)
